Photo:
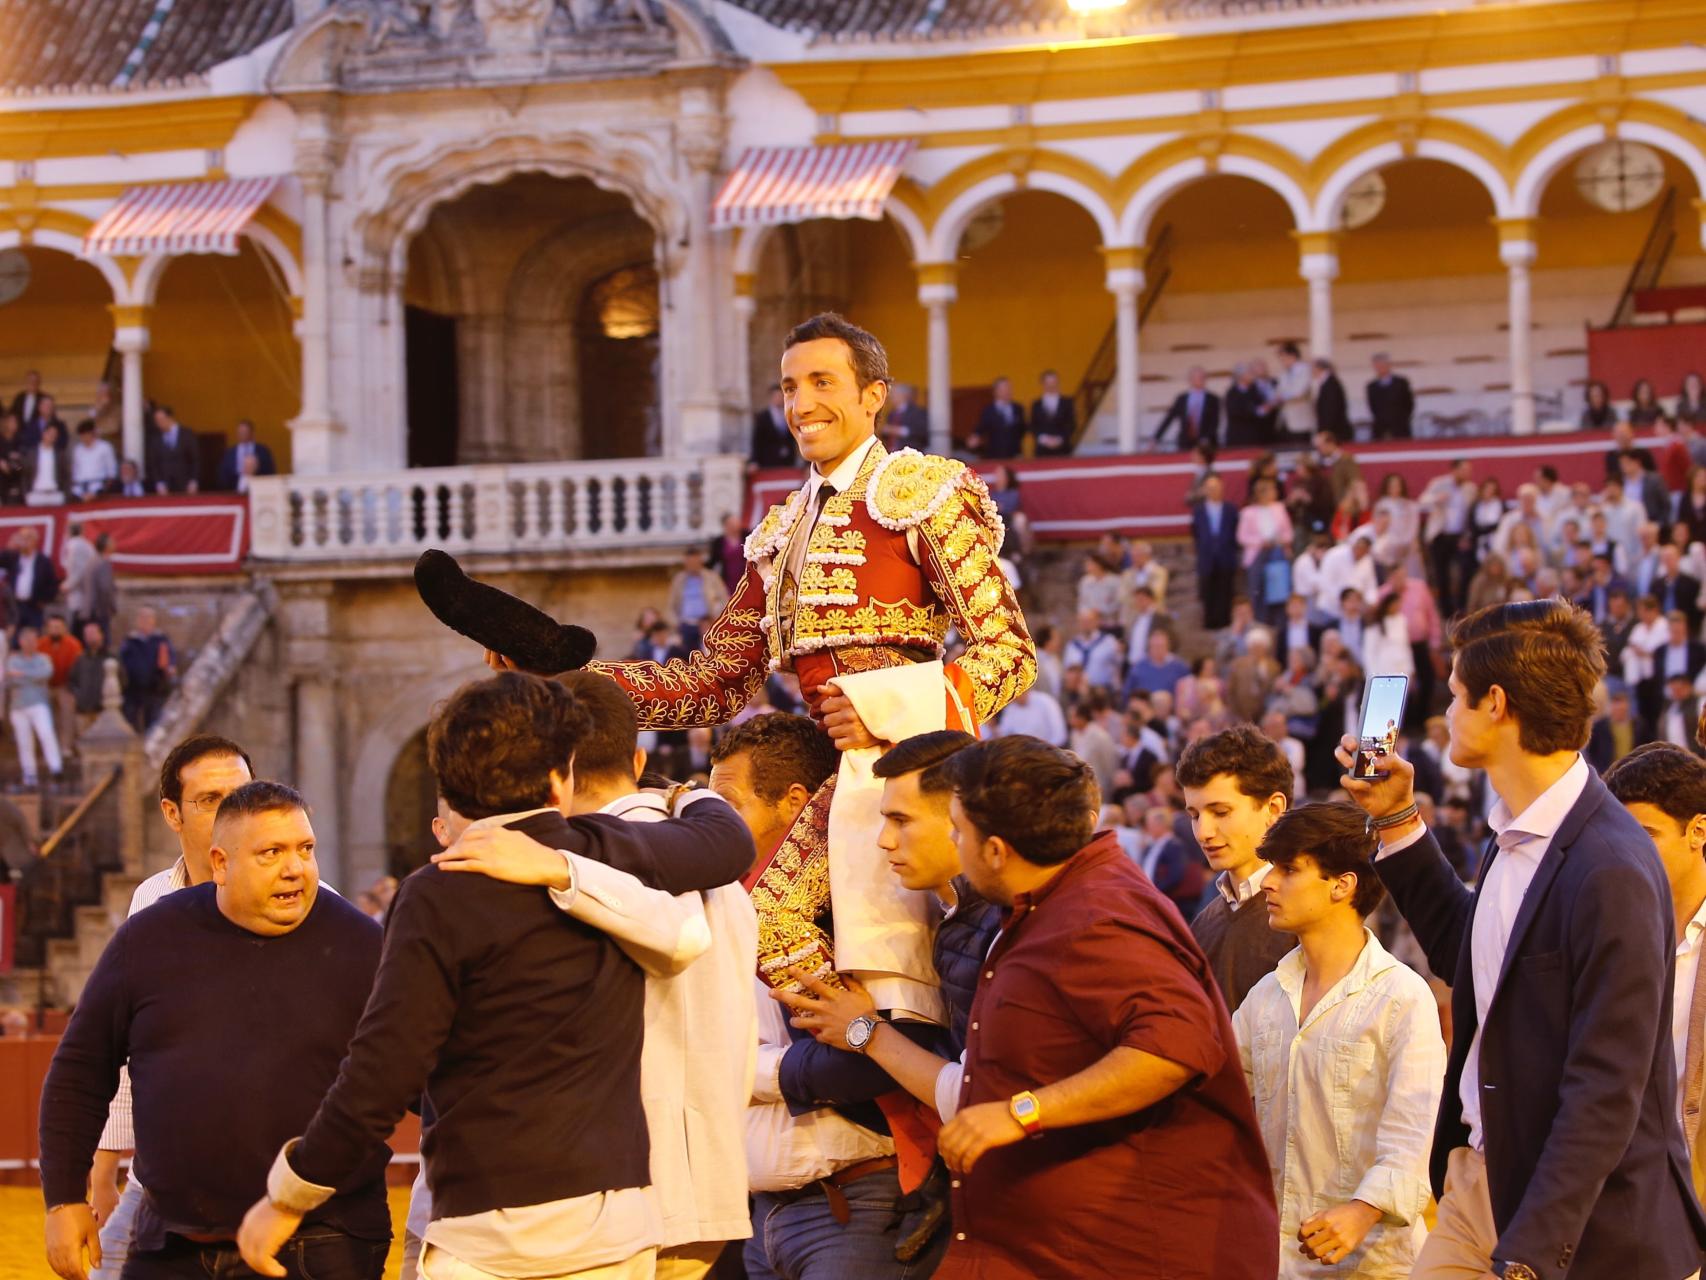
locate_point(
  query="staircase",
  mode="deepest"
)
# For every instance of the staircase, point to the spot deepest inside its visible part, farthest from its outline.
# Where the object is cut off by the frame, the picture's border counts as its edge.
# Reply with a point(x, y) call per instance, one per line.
point(1093, 387)
point(1650, 263)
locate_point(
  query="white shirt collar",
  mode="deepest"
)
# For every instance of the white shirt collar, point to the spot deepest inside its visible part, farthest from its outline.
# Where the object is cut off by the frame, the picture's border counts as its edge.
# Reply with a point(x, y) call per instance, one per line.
point(505, 819)
point(1371, 962)
point(844, 475)
point(1547, 811)
point(623, 805)
point(1691, 931)
point(1249, 889)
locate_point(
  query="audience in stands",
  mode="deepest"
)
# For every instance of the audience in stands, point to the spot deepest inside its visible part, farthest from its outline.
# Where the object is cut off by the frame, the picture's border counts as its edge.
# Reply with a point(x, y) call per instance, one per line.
point(772, 445)
point(907, 423)
point(28, 673)
point(1195, 411)
point(243, 458)
point(47, 468)
point(1054, 418)
point(1000, 430)
point(1295, 391)
point(1391, 402)
point(1332, 409)
point(174, 461)
point(1598, 413)
point(25, 403)
point(94, 463)
point(150, 668)
point(32, 576)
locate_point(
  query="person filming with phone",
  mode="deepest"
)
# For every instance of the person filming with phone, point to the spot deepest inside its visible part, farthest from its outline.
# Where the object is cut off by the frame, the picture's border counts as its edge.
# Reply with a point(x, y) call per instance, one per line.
point(1556, 1151)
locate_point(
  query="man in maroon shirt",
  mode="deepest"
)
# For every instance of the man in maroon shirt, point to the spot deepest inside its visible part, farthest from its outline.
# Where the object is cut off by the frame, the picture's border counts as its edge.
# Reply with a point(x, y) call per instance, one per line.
point(1104, 1127)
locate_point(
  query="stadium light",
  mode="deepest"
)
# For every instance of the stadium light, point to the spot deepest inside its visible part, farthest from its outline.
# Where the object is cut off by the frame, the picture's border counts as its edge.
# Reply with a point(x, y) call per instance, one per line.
point(1094, 6)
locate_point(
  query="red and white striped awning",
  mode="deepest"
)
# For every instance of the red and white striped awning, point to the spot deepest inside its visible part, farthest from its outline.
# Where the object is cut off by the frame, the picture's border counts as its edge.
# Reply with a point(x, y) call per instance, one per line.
point(791, 184)
point(179, 217)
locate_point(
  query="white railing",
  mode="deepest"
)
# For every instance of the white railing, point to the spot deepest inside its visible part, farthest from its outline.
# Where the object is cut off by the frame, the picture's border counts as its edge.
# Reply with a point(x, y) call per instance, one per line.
point(543, 506)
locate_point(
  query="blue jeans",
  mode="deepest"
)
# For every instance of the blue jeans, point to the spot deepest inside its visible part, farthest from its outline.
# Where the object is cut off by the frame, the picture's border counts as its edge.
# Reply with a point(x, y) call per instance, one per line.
point(115, 1233)
point(801, 1240)
point(313, 1253)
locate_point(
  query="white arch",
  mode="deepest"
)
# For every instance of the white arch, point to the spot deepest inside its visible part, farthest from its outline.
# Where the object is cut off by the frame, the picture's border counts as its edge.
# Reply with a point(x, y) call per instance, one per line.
point(64, 242)
point(1531, 183)
point(749, 249)
point(270, 243)
point(1325, 215)
point(1140, 210)
point(944, 239)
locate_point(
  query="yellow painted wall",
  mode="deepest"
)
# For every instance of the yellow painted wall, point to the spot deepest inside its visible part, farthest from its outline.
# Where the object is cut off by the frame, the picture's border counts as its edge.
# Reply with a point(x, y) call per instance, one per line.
point(59, 325)
point(1227, 233)
point(1033, 297)
point(222, 348)
point(1574, 233)
point(883, 297)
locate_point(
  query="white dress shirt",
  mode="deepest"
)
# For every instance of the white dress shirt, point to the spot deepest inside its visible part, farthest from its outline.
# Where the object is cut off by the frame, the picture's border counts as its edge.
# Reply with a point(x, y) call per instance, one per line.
point(1236, 898)
point(1346, 1099)
point(1688, 949)
point(1523, 841)
point(1035, 713)
point(93, 467)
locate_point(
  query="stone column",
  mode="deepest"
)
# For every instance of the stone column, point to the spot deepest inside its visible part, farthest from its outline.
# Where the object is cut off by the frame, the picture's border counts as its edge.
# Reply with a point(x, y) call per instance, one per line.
point(746, 306)
point(937, 292)
point(130, 340)
point(1319, 265)
point(313, 430)
point(1517, 252)
point(311, 665)
point(699, 425)
point(1125, 282)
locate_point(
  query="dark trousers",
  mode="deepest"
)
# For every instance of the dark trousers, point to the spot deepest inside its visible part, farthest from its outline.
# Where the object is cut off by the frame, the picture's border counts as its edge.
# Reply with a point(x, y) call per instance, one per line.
point(1452, 563)
point(1421, 701)
point(1390, 430)
point(313, 1253)
point(1215, 588)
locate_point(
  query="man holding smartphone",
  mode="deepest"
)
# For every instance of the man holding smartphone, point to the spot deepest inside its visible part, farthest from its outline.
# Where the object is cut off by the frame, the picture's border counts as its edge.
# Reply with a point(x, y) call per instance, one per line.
point(1556, 1151)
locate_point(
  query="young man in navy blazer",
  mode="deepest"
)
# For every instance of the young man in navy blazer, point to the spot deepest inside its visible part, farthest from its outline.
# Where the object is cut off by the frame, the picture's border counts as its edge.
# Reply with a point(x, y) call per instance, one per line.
point(1557, 1151)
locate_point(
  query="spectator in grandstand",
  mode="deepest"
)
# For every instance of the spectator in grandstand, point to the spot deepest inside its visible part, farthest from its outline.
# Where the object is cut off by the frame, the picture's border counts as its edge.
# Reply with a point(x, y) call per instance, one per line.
point(1646, 638)
point(728, 553)
point(1486, 514)
point(659, 644)
point(1623, 441)
point(1691, 401)
point(1195, 410)
point(695, 594)
point(1427, 635)
point(1000, 428)
point(103, 587)
point(1054, 418)
point(232, 464)
point(87, 679)
point(1391, 403)
point(1332, 410)
point(1158, 668)
point(1347, 1145)
point(11, 462)
point(1347, 566)
point(1245, 405)
point(1250, 676)
point(1678, 716)
point(1297, 630)
point(1294, 698)
point(203, 1046)
point(1264, 535)
point(1342, 469)
point(62, 649)
point(106, 412)
point(1214, 533)
point(1617, 625)
point(1400, 507)
point(772, 445)
point(1144, 570)
point(1644, 407)
point(94, 465)
point(1691, 506)
point(1491, 583)
point(907, 423)
point(47, 415)
point(1134, 1008)
point(1094, 651)
point(1295, 392)
point(1447, 502)
point(1201, 694)
point(174, 459)
point(1678, 592)
point(1598, 414)
point(1306, 576)
point(130, 483)
point(1386, 647)
point(47, 469)
point(1093, 744)
point(28, 673)
point(1051, 643)
point(1269, 387)
point(150, 669)
point(1035, 713)
point(34, 581)
point(1145, 618)
point(24, 404)
point(1676, 456)
point(1236, 783)
point(1099, 592)
point(1646, 488)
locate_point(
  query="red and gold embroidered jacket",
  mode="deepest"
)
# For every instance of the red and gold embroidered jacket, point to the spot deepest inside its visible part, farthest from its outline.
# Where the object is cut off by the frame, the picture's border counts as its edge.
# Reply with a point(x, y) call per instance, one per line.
point(908, 550)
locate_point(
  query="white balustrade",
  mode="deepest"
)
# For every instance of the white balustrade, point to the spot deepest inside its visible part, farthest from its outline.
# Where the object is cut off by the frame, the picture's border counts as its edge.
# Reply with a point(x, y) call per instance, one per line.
point(542, 506)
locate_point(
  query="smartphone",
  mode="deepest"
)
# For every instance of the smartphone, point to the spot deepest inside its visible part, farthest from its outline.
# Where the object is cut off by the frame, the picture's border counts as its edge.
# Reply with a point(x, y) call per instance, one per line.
point(1382, 714)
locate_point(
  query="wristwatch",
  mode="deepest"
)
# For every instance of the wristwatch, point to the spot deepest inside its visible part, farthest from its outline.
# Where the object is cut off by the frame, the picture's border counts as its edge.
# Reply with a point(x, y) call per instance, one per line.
point(859, 1032)
point(1518, 1271)
point(1025, 1108)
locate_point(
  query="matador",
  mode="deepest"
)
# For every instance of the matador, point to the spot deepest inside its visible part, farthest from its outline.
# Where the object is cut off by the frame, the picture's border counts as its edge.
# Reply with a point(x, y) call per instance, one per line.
point(854, 583)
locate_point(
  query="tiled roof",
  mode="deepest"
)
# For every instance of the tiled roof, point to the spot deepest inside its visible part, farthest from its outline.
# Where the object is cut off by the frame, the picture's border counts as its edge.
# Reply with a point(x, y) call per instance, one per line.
point(901, 18)
point(109, 43)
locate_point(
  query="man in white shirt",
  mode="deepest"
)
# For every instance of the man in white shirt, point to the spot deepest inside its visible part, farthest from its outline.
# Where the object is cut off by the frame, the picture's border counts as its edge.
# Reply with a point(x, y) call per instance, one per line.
point(1664, 788)
point(1448, 501)
point(1035, 712)
point(196, 775)
point(1556, 1145)
point(1350, 564)
point(94, 465)
point(1306, 577)
point(1342, 1051)
point(1097, 652)
point(1296, 391)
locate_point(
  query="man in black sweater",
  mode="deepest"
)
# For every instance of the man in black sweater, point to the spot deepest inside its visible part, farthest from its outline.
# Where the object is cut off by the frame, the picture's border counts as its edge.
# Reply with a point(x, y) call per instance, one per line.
point(234, 1003)
point(523, 1027)
point(1236, 784)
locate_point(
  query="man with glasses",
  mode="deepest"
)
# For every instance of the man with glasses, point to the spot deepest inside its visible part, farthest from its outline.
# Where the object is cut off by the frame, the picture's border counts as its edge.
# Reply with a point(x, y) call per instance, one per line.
point(194, 779)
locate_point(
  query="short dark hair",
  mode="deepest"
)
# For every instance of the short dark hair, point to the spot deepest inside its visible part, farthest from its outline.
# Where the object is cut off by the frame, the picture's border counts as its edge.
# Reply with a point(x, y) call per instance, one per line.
point(1547, 655)
point(870, 362)
point(1038, 798)
point(495, 743)
point(1247, 755)
point(925, 754)
point(86, 427)
point(1337, 836)
point(607, 748)
point(1670, 778)
point(259, 796)
point(783, 749)
point(187, 753)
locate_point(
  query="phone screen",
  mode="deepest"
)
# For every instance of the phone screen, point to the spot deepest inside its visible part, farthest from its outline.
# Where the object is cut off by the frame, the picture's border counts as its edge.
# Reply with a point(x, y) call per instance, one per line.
point(1382, 713)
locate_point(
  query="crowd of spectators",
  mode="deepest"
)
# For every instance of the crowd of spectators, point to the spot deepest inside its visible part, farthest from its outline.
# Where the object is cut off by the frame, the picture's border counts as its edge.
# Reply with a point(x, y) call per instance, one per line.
point(44, 462)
